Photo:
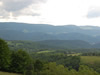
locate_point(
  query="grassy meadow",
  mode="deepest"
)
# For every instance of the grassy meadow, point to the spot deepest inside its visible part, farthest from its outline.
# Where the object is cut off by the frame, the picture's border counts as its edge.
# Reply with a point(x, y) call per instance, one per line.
point(90, 59)
point(6, 73)
point(45, 51)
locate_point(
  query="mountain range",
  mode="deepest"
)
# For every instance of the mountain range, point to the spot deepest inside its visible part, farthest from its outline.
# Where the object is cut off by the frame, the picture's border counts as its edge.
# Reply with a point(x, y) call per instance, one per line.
point(43, 32)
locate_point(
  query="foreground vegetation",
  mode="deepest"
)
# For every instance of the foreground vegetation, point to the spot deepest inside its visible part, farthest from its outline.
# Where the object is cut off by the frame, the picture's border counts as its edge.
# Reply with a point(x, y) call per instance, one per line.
point(92, 62)
point(7, 73)
point(46, 62)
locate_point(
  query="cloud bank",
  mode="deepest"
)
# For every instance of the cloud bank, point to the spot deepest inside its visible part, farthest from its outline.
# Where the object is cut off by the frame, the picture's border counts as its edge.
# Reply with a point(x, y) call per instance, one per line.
point(94, 12)
point(19, 7)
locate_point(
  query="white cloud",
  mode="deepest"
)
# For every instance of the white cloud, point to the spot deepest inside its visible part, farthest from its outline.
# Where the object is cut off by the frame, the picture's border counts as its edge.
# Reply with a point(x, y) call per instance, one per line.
point(57, 12)
point(15, 5)
point(19, 8)
point(94, 12)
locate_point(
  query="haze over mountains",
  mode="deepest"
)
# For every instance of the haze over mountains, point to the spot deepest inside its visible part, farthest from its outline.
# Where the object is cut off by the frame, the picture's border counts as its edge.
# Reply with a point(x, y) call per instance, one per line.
point(41, 32)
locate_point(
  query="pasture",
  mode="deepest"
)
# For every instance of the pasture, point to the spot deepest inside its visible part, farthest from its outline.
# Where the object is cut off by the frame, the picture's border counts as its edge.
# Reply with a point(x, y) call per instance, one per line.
point(90, 59)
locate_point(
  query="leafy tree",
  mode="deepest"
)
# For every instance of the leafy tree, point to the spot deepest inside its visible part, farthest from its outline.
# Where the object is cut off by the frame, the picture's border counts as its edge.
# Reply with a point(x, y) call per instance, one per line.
point(4, 55)
point(20, 61)
point(60, 58)
point(54, 69)
point(30, 70)
point(85, 70)
point(38, 65)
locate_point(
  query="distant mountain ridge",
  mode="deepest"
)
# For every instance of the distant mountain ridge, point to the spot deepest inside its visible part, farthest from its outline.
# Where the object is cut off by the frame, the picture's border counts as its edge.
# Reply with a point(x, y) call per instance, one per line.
point(40, 32)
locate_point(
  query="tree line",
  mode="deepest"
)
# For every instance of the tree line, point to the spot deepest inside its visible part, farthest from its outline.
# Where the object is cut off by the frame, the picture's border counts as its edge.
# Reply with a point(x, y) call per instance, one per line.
point(91, 54)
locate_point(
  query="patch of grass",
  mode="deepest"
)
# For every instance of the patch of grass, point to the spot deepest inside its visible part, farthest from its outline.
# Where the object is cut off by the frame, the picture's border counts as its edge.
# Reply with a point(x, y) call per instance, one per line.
point(44, 51)
point(18, 44)
point(9, 42)
point(90, 59)
point(75, 54)
point(6, 73)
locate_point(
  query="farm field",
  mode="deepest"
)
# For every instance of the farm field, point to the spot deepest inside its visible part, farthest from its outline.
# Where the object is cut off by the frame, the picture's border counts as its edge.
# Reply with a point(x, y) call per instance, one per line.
point(44, 51)
point(90, 59)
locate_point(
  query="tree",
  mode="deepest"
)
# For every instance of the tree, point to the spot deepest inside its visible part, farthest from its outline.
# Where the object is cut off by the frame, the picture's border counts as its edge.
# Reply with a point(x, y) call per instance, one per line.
point(30, 70)
point(4, 55)
point(38, 65)
point(20, 61)
point(85, 70)
point(53, 69)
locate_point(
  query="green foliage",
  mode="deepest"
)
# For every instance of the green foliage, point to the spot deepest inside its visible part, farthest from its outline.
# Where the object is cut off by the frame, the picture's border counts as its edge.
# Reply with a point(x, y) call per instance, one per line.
point(20, 60)
point(91, 54)
point(84, 70)
point(54, 69)
point(73, 62)
point(59, 58)
point(28, 72)
point(92, 62)
point(4, 55)
point(39, 47)
point(38, 65)
point(57, 63)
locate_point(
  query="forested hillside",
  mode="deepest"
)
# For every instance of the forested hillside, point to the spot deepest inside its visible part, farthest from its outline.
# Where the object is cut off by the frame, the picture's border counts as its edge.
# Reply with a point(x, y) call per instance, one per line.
point(52, 44)
point(40, 32)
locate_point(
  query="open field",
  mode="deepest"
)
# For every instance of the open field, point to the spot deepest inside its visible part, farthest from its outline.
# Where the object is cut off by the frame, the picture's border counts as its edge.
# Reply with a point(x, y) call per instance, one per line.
point(90, 59)
point(6, 73)
point(74, 54)
point(45, 51)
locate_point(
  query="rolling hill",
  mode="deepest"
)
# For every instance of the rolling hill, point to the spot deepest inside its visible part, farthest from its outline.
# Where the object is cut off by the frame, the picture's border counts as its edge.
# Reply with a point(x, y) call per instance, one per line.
point(41, 32)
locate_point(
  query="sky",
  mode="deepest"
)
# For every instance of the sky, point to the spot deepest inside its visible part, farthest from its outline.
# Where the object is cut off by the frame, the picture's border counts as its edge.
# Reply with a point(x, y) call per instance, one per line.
point(55, 12)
